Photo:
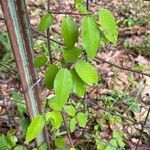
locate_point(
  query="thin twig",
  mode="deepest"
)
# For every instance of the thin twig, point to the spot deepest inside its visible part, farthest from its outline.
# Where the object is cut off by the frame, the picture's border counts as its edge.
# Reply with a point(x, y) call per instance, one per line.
point(2, 19)
point(143, 128)
point(68, 132)
point(87, 4)
point(68, 13)
point(97, 59)
point(48, 36)
point(43, 35)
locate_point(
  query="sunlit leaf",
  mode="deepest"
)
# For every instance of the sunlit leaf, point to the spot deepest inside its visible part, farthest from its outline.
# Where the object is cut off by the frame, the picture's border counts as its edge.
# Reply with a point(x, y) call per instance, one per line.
point(49, 76)
point(69, 32)
point(90, 35)
point(55, 117)
point(12, 140)
point(53, 104)
point(72, 125)
point(40, 61)
point(45, 22)
point(71, 54)
point(79, 87)
point(70, 110)
point(63, 86)
point(81, 8)
point(35, 128)
point(60, 142)
point(82, 119)
point(19, 147)
point(108, 24)
point(72, 148)
point(86, 72)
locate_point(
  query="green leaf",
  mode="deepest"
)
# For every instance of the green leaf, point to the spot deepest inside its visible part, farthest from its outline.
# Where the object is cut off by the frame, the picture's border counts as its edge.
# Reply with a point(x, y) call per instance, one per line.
point(72, 125)
point(43, 147)
point(16, 96)
point(69, 32)
point(79, 87)
point(113, 143)
point(4, 145)
point(53, 103)
point(108, 24)
point(60, 142)
point(90, 35)
point(40, 61)
point(24, 123)
point(86, 72)
point(35, 128)
point(45, 22)
point(118, 137)
point(71, 54)
point(19, 147)
point(82, 119)
point(70, 110)
point(81, 8)
point(12, 140)
point(62, 86)
point(55, 118)
point(49, 76)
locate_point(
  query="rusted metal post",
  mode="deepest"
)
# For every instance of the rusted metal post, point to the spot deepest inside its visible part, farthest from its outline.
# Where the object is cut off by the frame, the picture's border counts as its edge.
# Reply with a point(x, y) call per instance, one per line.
point(27, 38)
point(20, 54)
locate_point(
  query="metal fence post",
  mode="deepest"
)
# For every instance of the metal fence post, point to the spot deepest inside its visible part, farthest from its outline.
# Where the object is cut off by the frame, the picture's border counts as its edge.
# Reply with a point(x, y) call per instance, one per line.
point(20, 54)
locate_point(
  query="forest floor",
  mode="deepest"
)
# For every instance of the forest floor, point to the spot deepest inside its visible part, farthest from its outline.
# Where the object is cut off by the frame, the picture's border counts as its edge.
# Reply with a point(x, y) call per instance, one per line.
point(121, 92)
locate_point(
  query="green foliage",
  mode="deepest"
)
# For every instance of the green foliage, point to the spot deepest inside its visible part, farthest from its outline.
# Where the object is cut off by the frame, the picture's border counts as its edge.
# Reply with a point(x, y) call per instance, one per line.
point(16, 96)
point(133, 104)
point(7, 142)
point(108, 24)
point(70, 110)
point(90, 36)
point(4, 145)
point(53, 103)
point(6, 57)
point(69, 32)
point(60, 142)
point(45, 22)
point(72, 125)
point(88, 74)
point(19, 147)
point(35, 128)
point(40, 61)
point(79, 87)
point(43, 146)
point(71, 54)
point(49, 76)
point(62, 86)
point(75, 73)
point(55, 118)
point(82, 119)
point(80, 6)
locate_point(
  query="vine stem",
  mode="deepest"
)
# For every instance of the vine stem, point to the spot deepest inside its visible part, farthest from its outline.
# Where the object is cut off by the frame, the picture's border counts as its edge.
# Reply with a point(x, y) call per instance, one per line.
point(143, 125)
point(69, 13)
point(48, 36)
point(68, 132)
point(87, 4)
